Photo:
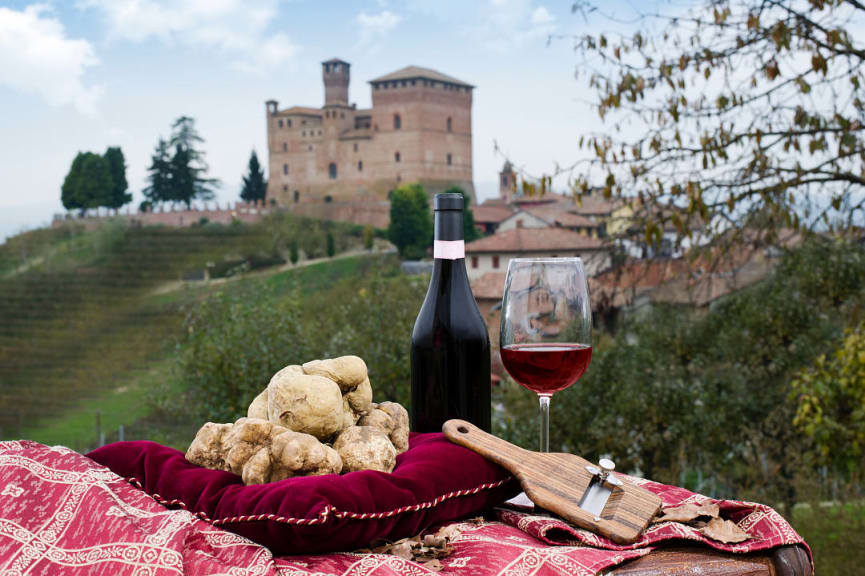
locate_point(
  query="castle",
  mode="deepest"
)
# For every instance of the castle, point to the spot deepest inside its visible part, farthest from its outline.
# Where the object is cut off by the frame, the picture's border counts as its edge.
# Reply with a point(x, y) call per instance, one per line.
point(419, 129)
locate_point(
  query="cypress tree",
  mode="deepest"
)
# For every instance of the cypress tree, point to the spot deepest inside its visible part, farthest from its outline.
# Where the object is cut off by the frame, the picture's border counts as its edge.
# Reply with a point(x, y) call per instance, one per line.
point(117, 166)
point(159, 175)
point(254, 185)
point(331, 245)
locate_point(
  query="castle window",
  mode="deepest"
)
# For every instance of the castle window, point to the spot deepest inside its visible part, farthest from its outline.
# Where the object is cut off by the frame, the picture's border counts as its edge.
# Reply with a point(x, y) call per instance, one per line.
point(285, 169)
point(280, 123)
point(360, 165)
point(285, 146)
point(310, 148)
point(397, 122)
point(450, 160)
point(412, 82)
point(332, 171)
point(319, 132)
point(342, 114)
point(296, 196)
point(355, 146)
point(474, 261)
point(288, 123)
point(396, 157)
point(303, 133)
point(285, 187)
point(450, 124)
point(303, 122)
point(495, 261)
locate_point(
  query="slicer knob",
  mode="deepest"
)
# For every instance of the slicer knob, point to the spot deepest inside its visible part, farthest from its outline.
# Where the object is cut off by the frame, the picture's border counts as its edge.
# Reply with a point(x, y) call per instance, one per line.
point(606, 472)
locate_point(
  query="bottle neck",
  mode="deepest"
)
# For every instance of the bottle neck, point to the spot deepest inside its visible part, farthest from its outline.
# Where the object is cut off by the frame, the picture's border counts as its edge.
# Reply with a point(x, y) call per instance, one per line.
point(449, 241)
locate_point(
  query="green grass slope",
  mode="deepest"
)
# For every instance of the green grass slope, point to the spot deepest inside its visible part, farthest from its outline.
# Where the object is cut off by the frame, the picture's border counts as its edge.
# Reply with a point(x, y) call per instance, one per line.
point(85, 322)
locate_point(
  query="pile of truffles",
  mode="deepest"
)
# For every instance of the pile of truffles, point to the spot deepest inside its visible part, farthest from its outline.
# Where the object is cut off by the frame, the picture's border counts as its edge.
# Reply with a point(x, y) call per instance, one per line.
point(314, 419)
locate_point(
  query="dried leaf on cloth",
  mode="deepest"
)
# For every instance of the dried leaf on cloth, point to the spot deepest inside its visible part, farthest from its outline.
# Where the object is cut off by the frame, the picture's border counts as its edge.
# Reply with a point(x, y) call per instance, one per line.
point(724, 531)
point(427, 549)
point(694, 515)
point(688, 512)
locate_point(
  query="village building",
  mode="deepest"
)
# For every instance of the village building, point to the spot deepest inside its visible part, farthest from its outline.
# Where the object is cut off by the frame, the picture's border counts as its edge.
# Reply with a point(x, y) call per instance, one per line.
point(419, 129)
point(488, 216)
point(492, 253)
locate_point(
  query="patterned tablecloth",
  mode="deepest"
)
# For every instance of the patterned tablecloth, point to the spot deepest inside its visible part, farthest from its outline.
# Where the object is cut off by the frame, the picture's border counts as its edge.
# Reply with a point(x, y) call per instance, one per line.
point(61, 513)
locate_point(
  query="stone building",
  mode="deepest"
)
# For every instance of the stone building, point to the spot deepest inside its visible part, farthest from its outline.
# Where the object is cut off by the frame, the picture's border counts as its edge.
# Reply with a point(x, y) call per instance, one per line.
point(419, 129)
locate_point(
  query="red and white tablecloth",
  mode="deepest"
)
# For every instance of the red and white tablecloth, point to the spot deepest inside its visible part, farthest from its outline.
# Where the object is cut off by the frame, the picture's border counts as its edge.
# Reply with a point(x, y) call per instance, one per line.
point(61, 513)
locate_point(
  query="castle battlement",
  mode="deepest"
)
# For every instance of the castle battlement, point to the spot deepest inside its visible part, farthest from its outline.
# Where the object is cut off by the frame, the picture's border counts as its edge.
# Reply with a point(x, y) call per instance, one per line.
point(419, 129)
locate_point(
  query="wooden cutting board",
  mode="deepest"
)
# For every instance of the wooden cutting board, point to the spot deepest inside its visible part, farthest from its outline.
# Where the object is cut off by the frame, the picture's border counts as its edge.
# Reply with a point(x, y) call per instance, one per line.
point(557, 483)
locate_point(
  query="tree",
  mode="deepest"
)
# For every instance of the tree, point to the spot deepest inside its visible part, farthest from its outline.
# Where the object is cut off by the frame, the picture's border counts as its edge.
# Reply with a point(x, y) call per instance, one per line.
point(293, 254)
point(254, 184)
point(190, 163)
point(470, 232)
point(159, 175)
point(179, 176)
point(331, 246)
point(117, 166)
point(183, 176)
point(69, 189)
point(88, 183)
point(411, 226)
point(729, 110)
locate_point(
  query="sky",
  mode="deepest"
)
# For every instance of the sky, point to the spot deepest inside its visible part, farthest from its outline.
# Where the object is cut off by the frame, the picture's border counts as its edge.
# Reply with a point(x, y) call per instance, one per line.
point(83, 75)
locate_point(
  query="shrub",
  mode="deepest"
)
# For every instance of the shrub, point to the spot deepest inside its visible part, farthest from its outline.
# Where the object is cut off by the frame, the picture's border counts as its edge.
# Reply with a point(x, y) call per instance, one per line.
point(235, 342)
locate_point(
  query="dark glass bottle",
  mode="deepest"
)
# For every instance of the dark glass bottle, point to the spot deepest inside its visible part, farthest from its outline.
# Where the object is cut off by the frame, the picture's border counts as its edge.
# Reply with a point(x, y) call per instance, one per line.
point(450, 346)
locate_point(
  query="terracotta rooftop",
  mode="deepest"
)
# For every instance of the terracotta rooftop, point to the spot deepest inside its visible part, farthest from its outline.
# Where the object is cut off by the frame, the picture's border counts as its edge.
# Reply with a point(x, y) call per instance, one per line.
point(590, 205)
point(534, 240)
point(412, 72)
point(491, 214)
point(560, 213)
point(300, 110)
point(495, 201)
point(490, 286)
point(571, 220)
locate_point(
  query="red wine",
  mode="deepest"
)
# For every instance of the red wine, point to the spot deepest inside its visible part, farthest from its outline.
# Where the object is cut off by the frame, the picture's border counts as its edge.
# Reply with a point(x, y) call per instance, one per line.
point(546, 368)
point(450, 346)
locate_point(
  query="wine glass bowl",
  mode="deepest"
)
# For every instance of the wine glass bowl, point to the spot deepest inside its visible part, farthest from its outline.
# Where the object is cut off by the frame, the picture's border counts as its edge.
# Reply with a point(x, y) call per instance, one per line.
point(546, 327)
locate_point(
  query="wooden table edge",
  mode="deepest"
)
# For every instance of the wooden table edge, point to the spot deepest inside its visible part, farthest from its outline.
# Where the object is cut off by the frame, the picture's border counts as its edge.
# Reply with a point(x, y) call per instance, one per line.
point(791, 560)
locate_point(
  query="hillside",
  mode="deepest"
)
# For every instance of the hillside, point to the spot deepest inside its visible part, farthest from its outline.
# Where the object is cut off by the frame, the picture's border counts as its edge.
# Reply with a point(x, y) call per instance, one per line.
point(91, 318)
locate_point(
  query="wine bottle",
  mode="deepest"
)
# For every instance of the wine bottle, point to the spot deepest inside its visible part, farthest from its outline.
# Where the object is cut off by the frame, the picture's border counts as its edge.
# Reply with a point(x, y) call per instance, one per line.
point(450, 346)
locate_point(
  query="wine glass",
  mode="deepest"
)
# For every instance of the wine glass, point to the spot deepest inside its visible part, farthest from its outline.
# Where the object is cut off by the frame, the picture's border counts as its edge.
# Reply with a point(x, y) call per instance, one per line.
point(546, 331)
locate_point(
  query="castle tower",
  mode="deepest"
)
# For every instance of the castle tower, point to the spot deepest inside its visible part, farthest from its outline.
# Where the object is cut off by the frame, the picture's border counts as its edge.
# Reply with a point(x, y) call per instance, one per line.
point(336, 75)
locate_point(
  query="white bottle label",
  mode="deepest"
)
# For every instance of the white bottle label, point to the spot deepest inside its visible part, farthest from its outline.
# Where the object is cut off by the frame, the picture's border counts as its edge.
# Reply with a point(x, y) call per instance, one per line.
point(449, 249)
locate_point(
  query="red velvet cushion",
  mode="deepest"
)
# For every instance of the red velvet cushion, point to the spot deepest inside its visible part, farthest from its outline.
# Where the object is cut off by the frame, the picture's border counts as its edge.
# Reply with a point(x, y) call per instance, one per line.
point(434, 481)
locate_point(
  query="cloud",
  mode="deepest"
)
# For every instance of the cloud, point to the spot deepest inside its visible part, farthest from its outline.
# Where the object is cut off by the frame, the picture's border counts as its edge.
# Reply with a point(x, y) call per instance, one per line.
point(510, 24)
point(37, 57)
point(230, 28)
point(374, 28)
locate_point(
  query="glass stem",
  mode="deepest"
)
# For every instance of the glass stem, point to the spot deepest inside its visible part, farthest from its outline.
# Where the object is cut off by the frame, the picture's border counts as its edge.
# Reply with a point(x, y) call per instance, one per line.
point(545, 422)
